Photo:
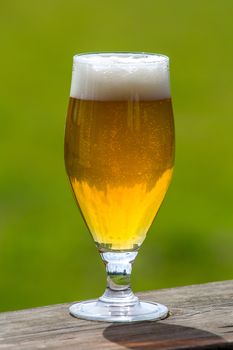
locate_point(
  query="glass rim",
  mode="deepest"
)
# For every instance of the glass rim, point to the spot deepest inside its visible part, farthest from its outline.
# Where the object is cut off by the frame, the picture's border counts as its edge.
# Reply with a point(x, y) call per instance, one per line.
point(163, 58)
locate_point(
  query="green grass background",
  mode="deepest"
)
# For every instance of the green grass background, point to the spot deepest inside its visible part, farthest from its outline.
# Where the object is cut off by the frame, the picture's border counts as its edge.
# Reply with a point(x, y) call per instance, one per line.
point(46, 253)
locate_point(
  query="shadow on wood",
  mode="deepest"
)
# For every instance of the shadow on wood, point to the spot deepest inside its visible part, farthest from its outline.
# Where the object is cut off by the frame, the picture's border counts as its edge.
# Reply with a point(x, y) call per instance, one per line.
point(154, 335)
point(201, 319)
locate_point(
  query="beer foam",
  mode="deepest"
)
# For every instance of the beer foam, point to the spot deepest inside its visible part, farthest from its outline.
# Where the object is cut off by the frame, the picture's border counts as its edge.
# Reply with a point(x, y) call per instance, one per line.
point(120, 76)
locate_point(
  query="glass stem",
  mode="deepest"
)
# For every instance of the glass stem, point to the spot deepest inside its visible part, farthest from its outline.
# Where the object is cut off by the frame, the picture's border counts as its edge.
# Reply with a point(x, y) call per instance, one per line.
point(119, 267)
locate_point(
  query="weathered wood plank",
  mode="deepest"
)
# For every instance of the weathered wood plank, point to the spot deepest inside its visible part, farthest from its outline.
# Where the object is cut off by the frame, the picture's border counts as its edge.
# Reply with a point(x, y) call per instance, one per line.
point(201, 318)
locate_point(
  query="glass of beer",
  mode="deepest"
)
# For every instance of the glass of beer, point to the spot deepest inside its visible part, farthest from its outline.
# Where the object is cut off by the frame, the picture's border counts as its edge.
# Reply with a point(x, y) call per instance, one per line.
point(119, 157)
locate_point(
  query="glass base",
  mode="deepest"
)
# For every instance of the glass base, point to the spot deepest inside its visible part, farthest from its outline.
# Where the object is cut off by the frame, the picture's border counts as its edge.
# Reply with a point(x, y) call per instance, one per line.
point(98, 310)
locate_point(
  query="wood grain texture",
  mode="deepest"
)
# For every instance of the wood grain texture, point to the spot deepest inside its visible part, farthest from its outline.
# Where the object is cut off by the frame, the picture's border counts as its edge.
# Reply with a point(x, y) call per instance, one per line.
point(201, 318)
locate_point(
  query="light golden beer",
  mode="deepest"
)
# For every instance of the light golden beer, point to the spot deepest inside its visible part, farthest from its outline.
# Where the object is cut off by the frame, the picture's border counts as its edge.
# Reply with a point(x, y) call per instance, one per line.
point(119, 157)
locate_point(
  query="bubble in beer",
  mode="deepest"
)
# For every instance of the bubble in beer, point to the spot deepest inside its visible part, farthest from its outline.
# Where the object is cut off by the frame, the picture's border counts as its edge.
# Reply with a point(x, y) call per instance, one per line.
point(119, 144)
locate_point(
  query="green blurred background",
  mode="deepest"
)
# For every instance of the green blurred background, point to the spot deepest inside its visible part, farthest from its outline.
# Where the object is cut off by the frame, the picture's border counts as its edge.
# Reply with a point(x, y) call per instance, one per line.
point(46, 253)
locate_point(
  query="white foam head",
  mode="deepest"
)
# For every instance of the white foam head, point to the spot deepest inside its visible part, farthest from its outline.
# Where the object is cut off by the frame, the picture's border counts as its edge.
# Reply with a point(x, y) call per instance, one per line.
point(120, 76)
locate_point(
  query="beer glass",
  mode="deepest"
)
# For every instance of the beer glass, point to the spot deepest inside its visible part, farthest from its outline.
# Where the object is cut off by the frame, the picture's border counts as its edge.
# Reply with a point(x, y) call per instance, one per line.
point(119, 156)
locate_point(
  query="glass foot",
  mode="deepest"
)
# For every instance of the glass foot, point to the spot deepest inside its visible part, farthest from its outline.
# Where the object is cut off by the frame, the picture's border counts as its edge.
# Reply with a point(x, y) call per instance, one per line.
point(98, 310)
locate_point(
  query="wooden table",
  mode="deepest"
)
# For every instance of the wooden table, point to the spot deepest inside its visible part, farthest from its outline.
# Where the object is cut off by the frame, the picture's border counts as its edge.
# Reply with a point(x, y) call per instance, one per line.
point(201, 318)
